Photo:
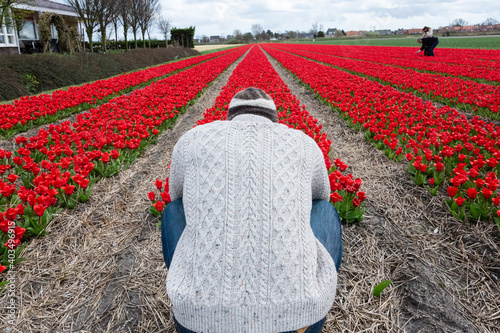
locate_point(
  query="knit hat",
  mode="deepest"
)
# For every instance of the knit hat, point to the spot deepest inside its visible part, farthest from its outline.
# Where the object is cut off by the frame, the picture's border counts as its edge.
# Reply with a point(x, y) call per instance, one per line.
point(253, 101)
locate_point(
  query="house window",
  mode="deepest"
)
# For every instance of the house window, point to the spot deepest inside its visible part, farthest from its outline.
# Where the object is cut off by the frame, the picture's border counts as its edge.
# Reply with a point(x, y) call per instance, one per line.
point(7, 37)
point(27, 31)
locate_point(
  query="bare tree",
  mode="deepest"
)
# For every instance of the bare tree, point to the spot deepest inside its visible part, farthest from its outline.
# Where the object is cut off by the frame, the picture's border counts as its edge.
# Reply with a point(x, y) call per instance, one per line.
point(256, 29)
point(122, 16)
point(490, 21)
point(106, 13)
point(458, 22)
point(87, 13)
point(314, 28)
point(238, 35)
point(148, 10)
point(134, 18)
point(164, 26)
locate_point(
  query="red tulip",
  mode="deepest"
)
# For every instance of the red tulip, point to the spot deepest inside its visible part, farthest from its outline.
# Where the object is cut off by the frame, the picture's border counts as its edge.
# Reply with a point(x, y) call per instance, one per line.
point(39, 209)
point(471, 192)
point(19, 232)
point(452, 191)
point(159, 205)
point(487, 193)
point(165, 196)
point(459, 201)
point(12, 178)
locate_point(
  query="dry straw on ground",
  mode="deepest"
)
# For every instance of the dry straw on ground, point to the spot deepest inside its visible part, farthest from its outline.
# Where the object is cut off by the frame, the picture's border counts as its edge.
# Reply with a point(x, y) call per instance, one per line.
point(100, 269)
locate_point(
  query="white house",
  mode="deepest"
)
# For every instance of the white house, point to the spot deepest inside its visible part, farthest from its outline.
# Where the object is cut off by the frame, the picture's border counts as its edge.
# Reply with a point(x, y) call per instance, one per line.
point(27, 39)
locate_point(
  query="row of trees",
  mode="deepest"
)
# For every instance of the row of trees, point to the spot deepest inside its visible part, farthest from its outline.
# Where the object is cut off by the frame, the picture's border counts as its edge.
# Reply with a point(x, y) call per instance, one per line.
point(461, 22)
point(259, 34)
point(137, 16)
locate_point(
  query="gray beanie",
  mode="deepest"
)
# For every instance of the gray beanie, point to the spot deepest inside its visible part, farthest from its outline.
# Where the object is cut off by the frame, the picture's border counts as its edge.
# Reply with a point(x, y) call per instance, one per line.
point(253, 101)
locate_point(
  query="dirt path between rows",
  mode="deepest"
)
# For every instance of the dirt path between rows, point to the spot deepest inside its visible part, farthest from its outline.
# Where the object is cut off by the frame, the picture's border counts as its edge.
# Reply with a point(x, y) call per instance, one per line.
point(101, 269)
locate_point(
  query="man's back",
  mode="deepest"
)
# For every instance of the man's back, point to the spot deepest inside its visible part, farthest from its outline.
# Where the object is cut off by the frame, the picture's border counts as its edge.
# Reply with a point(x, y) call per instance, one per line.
point(248, 254)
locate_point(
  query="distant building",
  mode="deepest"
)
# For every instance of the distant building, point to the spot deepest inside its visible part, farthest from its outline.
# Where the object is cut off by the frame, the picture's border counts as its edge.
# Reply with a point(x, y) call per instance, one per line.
point(414, 31)
point(384, 32)
point(214, 39)
point(331, 32)
point(470, 28)
point(355, 33)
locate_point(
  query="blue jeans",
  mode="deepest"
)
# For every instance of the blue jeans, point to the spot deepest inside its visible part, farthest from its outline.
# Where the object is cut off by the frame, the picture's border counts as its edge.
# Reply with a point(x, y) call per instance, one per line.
point(325, 224)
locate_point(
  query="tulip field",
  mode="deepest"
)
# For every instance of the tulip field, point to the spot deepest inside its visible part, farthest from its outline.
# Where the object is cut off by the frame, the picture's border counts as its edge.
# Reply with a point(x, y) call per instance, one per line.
point(444, 149)
point(433, 121)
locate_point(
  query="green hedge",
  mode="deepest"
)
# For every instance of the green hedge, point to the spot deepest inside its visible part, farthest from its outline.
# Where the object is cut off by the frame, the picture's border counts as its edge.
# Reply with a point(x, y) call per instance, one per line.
point(112, 45)
point(26, 74)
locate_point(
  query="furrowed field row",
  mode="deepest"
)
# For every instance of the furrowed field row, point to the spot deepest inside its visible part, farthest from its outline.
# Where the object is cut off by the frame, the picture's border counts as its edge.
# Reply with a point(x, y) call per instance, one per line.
point(443, 148)
point(480, 98)
point(58, 167)
point(31, 111)
point(410, 61)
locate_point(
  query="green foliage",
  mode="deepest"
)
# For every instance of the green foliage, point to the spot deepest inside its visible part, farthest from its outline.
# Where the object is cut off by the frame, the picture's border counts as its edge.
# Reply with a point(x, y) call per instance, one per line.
point(380, 287)
point(155, 43)
point(183, 37)
point(7, 15)
point(68, 37)
point(32, 85)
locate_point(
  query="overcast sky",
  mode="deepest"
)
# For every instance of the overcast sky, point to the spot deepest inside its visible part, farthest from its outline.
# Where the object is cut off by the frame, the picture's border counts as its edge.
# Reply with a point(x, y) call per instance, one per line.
point(224, 16)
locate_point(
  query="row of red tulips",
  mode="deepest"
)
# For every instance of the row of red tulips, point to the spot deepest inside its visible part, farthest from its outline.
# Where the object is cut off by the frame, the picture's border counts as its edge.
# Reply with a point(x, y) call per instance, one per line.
point(478, 97)
point(457, 57)
point(58, 167)
point(443, 148)
point(380, 55)
point(256, 71)
point(31, 111)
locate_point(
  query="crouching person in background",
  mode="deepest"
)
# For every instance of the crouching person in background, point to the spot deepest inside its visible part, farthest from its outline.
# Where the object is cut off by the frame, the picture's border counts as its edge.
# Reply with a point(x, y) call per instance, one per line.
point(428, 45)
point(250, 240)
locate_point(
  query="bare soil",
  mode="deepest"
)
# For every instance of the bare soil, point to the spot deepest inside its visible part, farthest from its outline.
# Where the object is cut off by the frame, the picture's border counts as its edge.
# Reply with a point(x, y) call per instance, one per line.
point(201, 48)
point(101, 269)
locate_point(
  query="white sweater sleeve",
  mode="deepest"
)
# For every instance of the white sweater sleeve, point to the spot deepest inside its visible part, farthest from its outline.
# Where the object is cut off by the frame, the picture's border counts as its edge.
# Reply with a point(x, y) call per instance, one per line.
point(177, 171)
point(320, 182)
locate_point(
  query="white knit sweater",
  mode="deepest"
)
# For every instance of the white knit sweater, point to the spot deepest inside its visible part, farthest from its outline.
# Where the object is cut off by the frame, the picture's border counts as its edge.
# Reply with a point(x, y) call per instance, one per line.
point(248, 260)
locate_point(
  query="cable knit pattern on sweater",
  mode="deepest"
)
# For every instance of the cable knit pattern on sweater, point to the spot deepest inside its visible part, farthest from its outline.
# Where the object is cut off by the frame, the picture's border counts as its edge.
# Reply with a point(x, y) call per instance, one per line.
point(248, 260)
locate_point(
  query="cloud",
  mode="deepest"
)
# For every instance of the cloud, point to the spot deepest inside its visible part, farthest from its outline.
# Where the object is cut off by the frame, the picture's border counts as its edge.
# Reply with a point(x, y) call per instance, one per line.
point(224, 16)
